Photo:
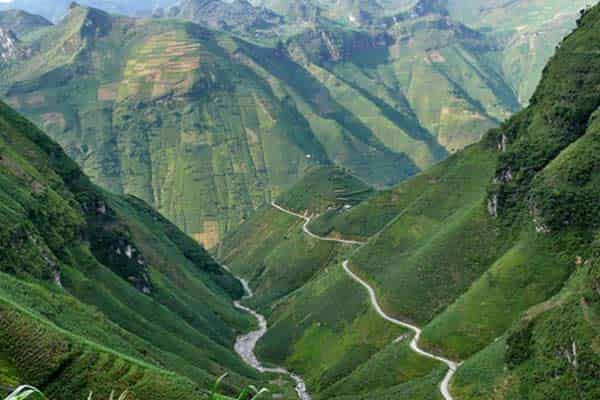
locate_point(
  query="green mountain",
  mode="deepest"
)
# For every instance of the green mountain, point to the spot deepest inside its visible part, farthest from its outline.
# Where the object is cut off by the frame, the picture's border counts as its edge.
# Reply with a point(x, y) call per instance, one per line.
point(207, 126)
point(527, 29)
point(54, 10)
point(108, 96)
point(238, 16)
point(98, 292)
point(493, 252)
point(21, 22)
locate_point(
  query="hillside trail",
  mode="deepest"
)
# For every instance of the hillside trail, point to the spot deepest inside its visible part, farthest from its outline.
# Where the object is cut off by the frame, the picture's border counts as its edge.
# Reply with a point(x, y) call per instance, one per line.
point(414, 344)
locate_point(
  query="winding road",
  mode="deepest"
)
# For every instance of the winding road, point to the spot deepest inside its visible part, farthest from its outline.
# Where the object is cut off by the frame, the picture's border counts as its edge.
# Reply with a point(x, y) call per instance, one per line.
point(414, 344)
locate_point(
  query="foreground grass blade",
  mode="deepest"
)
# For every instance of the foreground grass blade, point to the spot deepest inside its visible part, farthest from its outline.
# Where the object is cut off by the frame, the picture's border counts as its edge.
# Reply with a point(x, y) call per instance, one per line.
point(260, 392)
point(213, 395)
point(24, 392)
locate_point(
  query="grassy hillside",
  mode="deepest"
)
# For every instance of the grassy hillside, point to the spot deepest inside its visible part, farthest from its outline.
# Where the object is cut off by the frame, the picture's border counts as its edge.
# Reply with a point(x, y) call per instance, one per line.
point(242, 130)
point(21, 22)
point(494, 252)
point(337, 349)
point(100, 292)
point(528, 30)
point(266, 261)
point(207, 127)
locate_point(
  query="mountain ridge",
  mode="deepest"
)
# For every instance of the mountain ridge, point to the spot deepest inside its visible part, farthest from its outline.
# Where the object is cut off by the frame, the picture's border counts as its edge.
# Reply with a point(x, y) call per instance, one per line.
point(386, 99)
point(493, 251)
point(93, 279)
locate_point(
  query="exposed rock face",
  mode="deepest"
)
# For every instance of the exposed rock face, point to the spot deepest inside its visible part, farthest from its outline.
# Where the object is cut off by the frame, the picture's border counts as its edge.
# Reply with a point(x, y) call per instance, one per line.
point(503, 143)
point(493, 205)
point(9, 45)
point(132, 265)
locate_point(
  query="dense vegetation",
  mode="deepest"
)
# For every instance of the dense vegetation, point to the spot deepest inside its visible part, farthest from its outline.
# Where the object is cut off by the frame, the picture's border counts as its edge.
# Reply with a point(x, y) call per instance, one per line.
point(206, 126)
point(494, 252)
point(99, 292)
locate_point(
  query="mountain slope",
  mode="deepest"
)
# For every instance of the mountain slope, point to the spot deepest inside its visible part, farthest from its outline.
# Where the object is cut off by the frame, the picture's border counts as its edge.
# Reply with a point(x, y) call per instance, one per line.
point(207, 166)
point(99, 288)
point(208, 126)
point(21, 22)
point(494, 252)
point(528, 30)
point(215, 169)
point(239, 16)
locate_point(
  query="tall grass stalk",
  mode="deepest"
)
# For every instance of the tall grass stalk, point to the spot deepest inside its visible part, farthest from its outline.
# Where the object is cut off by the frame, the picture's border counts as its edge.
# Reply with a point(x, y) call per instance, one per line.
point(249, 390)
point(25, 391)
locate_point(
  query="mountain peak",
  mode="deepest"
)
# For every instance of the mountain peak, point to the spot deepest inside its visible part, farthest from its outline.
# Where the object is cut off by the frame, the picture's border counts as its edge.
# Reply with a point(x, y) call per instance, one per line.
point(93, 22)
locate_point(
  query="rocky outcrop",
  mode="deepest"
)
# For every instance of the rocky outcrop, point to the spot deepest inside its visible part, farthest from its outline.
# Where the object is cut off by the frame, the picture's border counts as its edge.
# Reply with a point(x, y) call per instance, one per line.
point(10, 47)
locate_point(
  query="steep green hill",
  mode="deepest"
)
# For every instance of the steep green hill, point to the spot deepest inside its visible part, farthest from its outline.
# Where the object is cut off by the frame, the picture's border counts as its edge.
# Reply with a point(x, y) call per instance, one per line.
point(21, 22)
point(494, 252)
point(98, 292)
point(208, 127)
point(240, 132)
point(237, 16)
point(528, 30)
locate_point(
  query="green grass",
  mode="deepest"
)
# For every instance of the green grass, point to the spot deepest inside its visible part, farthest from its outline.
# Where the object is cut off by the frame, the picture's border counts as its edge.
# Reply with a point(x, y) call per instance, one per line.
point(417, 262)
point(25, 391)
point(144, 306)
point(527, 274)
point(489, 251)
point(108, 272)
point(207, 127)
point(483, 373)
point(284, 259)
point(369, 217)
point(324, 188)
point(9, 376)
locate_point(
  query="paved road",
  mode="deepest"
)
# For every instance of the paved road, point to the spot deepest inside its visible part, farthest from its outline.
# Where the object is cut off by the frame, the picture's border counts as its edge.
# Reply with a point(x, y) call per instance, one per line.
point(414, 344)
point(308, 232)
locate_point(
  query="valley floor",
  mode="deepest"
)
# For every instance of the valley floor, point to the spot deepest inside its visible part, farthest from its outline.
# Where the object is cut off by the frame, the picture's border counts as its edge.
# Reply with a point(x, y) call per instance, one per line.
point(246, 344)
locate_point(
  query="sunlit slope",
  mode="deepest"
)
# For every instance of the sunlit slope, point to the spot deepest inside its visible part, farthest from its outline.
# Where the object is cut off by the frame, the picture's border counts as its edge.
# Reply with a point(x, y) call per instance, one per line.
point(528, 31)
point(162, 111)
point(99, 288)
point(542, 211)
point(295, 277)
point(270, 248)
point(494, 252)
point(203, 126)
point(423, 77)
point(208, 127)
